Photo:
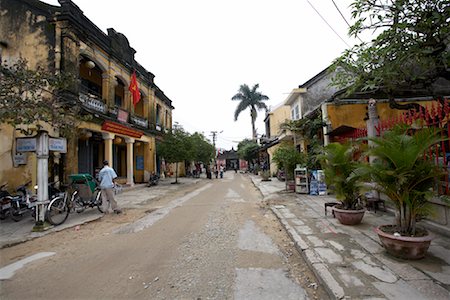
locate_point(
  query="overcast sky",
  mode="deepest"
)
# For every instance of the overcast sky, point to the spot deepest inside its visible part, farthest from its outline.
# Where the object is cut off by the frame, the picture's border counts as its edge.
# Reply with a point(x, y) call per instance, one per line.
point(201, 51)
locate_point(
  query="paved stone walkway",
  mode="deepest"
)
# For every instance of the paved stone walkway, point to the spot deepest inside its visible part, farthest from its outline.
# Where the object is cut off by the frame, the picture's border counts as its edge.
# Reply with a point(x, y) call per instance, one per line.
point(349, 260)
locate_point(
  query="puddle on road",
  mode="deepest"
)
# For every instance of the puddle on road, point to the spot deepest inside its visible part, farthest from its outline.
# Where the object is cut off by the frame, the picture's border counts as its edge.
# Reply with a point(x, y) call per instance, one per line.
point(9, 271)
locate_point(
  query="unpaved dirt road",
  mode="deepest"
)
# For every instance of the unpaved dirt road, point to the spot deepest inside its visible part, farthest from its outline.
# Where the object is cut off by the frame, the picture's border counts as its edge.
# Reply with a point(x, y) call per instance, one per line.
point(213, 240)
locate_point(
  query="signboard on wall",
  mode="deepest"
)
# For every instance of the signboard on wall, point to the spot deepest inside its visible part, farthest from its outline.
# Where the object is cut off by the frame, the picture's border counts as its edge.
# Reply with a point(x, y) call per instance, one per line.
point(122, 116)
point(20, 159)
point(26, 144)
point(139, 163)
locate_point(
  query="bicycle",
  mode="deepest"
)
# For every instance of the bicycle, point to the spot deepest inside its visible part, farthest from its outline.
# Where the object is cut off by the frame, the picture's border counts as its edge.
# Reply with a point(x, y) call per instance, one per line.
point(83, 192)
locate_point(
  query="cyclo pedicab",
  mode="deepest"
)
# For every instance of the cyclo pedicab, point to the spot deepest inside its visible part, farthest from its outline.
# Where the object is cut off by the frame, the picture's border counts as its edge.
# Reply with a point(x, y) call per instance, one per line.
point(82, 192)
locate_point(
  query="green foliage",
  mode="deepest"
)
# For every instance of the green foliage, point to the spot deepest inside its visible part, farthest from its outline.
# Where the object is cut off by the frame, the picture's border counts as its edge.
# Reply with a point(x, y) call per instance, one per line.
point(287, 157)
point(248, 150)
point(315, 148)
point(403, 173)
point(201, 150)
point(252, 99)
point(410, 51)
point(175, 146)
point(339, 167)
point(34, 97)
point(307, 128)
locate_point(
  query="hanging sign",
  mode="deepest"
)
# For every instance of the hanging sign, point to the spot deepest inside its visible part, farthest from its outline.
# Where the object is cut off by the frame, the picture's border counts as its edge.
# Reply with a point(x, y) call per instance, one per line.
point(26, 144)
point(57, 144)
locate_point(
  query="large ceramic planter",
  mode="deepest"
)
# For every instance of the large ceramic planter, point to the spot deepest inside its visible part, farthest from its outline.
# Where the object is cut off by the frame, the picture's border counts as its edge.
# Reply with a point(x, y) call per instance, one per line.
point(404, 246)
point(348, 217)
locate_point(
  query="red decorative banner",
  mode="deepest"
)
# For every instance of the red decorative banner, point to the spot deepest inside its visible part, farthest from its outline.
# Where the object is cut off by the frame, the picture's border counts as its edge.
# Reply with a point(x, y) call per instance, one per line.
point(120, 129)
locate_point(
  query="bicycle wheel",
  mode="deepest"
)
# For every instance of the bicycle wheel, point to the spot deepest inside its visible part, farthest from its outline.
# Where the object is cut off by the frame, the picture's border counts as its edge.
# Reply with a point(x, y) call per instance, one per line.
point(57, 211)
point(16, 215)
point(99, 201)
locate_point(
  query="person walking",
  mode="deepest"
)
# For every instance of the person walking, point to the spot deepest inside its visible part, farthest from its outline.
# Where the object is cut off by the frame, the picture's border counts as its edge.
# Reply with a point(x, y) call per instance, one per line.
point(107, 176)
point(216, 172)
point(221, 171)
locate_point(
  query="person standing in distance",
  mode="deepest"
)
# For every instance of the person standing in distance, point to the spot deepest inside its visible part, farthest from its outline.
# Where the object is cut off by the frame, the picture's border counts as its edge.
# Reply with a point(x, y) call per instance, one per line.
point(107, 175)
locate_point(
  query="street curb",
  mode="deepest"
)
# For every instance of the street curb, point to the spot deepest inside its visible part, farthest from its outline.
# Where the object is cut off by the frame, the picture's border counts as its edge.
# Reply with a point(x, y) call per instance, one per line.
point(319, 269)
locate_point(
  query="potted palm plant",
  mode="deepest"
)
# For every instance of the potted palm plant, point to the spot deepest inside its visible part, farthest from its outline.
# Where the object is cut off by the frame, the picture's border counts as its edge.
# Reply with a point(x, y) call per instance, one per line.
point(403, 173)
point(339, 163)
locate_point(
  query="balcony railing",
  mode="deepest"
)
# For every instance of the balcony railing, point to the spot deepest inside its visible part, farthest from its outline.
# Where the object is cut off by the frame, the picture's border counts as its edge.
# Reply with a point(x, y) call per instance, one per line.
point(139, 121)
point(92, 102)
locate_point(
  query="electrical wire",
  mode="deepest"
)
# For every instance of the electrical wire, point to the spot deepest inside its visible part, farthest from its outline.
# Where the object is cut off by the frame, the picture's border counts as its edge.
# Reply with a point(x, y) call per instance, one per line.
point(327, 23)
point(335, 5)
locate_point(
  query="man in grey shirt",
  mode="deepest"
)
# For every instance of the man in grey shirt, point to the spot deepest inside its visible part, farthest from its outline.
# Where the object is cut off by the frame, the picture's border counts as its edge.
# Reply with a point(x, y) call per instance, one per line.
point(107, 175)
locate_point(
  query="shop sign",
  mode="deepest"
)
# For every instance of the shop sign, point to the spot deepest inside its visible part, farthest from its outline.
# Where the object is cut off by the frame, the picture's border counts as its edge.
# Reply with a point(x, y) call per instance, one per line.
point(26, 144)
point(57, 144)
point(121, 129)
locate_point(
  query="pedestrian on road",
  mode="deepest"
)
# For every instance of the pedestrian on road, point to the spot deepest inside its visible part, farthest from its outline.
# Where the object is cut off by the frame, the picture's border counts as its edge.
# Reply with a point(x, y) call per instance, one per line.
point(216, 172)
point(107, 177)
point(221, 171)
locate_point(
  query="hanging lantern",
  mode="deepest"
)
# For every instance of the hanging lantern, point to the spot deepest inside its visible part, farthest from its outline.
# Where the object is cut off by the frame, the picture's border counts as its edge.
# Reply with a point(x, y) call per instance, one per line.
point(117, 140)
point(89, 64)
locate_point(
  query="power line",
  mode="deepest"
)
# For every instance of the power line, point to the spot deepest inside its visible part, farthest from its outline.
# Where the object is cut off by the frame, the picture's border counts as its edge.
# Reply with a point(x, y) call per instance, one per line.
point(327, 23)
point(335, 5)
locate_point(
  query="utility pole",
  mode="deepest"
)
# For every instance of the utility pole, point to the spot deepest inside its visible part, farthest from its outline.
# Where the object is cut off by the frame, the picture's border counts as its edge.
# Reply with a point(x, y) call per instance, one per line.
point(214, 136)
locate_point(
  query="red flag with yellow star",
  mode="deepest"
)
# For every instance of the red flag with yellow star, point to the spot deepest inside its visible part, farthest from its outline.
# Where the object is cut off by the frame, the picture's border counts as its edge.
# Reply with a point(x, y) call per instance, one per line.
point(134, 89)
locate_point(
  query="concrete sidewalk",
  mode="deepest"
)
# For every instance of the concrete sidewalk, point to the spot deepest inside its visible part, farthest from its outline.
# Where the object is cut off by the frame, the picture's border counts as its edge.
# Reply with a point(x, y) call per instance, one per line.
point(12, 233)
point(349, 260)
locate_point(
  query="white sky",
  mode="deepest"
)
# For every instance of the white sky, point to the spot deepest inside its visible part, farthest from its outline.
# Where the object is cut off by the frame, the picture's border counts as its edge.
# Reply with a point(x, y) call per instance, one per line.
point(201, 51)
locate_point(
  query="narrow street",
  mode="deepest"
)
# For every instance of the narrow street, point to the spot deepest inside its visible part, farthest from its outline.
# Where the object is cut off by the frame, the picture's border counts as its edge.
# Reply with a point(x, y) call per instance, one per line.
point(212, 240)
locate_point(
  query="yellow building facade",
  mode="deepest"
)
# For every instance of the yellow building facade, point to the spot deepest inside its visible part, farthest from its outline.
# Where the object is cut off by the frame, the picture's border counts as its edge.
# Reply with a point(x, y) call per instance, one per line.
point(274, 133)
point(61, 39)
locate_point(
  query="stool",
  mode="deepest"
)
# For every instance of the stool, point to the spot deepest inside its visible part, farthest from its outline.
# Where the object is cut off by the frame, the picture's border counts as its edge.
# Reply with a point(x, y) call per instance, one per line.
point(329, 204)
point(375, 203)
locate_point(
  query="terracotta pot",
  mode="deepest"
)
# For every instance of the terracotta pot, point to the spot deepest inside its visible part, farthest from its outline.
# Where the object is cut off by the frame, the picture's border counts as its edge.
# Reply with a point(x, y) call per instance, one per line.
point(405, 247)
point(348, 217)
point(291, 185)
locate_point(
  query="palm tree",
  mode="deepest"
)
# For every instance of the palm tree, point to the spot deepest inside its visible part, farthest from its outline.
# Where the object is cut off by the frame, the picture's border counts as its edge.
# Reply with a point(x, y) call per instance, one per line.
point(250, 98)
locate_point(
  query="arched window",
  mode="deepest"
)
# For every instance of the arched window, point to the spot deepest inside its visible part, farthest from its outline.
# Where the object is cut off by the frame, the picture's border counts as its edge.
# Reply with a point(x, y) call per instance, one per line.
point(91, 78)
point(158, 114)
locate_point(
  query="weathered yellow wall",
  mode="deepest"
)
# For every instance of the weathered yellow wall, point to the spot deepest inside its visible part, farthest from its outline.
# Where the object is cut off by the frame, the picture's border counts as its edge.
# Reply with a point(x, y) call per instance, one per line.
point(43, 44)
point(277, 117)
point(353, 114)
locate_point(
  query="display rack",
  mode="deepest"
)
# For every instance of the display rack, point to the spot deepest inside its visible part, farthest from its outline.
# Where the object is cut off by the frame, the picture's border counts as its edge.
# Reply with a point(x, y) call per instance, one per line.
point(301, 180)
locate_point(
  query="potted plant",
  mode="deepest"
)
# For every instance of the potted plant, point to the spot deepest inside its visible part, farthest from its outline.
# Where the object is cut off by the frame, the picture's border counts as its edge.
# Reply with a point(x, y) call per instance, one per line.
point(265, 175)
point(339, 165)
point(287, 157)
point(403, 173)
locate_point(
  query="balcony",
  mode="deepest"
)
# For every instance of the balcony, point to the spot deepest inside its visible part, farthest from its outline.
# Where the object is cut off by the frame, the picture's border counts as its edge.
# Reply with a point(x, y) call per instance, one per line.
point(139, 121)
point(92, 102)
